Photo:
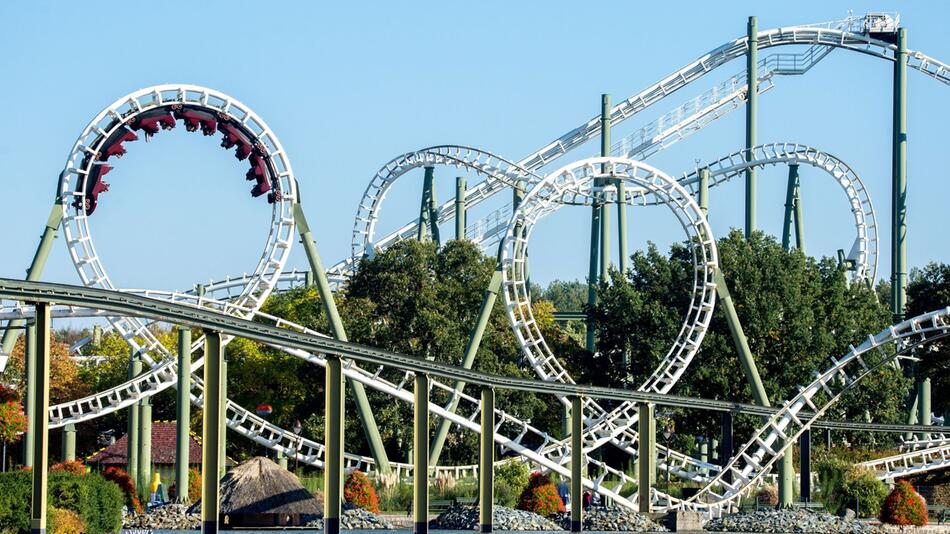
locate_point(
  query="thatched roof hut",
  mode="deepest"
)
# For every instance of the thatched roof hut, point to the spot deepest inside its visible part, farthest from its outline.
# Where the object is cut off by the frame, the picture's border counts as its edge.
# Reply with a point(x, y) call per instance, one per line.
point(259, 493)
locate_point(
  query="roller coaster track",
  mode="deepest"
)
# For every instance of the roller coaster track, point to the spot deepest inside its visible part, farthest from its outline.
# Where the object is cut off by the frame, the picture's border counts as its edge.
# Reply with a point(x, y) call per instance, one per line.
point(501, 171)
point(847, 34)
point(751, 462)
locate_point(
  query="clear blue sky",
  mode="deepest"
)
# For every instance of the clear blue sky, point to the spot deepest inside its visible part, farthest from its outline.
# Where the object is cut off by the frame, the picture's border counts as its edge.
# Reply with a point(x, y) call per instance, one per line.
point(348, 86)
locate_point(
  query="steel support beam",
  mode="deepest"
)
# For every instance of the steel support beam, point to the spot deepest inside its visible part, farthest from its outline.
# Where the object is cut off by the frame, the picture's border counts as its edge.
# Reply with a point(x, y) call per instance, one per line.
point(786, 478)
point(923, 406)
point(471, 350)
point(30, 369)
point(804, 465)
point(517, 195)
point(486, 461)
point(183, 416)
point(593, 272)
point(132, 445)
point(333, 437)
point(647, 461)
point(738, 337)
point(69, 443)
point(365, 412)
point(704, 190)
point(899, 182)
point(726, 445)
point(751, 110)
point(34, 272)
point(420, 457)
point(424, 204)
point(39, 406)
point(145, 448)
point(223, 411)
point(210, 429)
point(577, 463)
point(604, 208)
point(799, 219)
point(434, 214)
point(460, 222)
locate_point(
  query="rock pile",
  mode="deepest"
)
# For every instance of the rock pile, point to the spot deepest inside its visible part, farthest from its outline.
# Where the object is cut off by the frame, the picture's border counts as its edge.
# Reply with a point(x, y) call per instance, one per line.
point(611, 520)
point(805, 521)
point(354, 518)
point(166, 517)
point(466, 518)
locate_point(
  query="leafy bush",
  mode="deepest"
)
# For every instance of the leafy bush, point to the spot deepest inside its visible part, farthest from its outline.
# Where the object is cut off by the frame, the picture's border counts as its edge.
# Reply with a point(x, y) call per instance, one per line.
point(844, 485)
point(904, 506)
point(97, 501)
point(540, 496)
point(63, 521)
point(359, 492)
point(12, 421)
point(126, 484)
point(513, 474)
point(194, 484)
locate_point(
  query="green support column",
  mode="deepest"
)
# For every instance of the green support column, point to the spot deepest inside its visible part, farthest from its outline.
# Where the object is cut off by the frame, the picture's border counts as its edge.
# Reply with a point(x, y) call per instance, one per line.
point(460, 222)
point(786, 479)
point(223, 410)
point(751, 110)
point(486, 461)
point(923, 406)
point(333, 441)
point(517, 195)
point(30, 364)
point(132, 447)
point(742, 344)
point(790, 192)
point(69, 443)
point(474, 341)
point(622, 223)
point(39, 406)
point(34, 272)
point(145, 449)
point(799, 219)
point(210, 428)
point(282, 460)
point(604, 209)
point(704, 190)
point(577, 464)
point(183, 416)
point(421, 232)
point(363, 408)
point(420, 456)
point(434, 215)
point(593, 272)
point(647, 443)
point(899, 182)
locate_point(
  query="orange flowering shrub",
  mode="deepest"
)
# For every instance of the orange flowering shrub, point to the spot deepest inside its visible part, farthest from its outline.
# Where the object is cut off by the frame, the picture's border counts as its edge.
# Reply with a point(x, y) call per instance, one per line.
point(540, 496)
point(359, 492)
point(72, 467)
point(12, 421)
point(904, 506)
point(125, 483)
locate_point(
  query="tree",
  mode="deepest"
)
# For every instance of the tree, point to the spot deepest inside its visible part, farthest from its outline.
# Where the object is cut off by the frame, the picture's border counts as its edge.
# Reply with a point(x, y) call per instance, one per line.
point(796, 313)
point(929, 290)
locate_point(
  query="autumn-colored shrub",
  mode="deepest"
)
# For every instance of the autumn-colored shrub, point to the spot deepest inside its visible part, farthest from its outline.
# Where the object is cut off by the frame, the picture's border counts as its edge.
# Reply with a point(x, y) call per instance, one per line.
point(126, 484)
point(767, 495)
point(904, 506)
point(194, 487)
point(72, 467)
point(8, 394)
point(540, 496)
point(12, 421)
point(63, 521)
point(359, 492)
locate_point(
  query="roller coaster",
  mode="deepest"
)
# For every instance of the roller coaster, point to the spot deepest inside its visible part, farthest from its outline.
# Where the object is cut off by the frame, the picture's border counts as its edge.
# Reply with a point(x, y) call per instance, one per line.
point(231, 307)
